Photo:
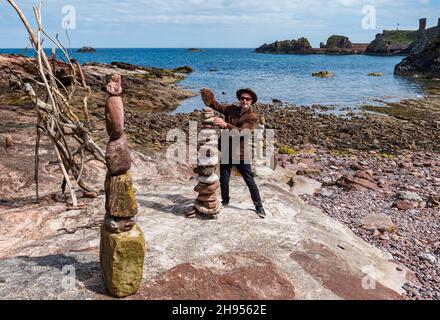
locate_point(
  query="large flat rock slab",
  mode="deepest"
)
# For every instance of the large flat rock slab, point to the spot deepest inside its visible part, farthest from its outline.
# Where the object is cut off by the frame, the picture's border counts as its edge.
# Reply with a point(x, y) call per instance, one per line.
point(297, 252)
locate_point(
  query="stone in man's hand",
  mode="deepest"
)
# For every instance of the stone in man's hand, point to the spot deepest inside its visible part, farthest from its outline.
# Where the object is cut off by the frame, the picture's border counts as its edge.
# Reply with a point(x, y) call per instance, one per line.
point(207, 97)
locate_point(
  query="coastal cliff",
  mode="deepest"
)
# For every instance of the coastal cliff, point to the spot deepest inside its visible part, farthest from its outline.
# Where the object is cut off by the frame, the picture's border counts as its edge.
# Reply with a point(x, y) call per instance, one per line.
point(425, 64)
point(403, 42)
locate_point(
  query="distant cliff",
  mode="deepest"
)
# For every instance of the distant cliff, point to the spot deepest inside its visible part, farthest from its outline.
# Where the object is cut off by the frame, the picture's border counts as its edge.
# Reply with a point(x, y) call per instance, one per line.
point(336, 44)
point(394, 42)
point(403, 42)
point(302, 45)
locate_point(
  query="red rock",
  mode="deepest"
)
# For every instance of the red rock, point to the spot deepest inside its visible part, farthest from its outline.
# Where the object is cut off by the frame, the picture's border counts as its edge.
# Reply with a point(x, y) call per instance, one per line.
point(90, 195)
point(8, 140)
point(208, 198)
point(205, 189)
point(335, 275)
point(208, 204)
point(349, 182)
point(118, 157)
point(114, 117)
point(404, 205)
point(363, 175)
point(235, 276)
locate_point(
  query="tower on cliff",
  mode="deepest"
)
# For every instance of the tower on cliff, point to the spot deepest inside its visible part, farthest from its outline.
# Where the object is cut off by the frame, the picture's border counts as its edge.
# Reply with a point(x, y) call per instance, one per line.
point(422, 24)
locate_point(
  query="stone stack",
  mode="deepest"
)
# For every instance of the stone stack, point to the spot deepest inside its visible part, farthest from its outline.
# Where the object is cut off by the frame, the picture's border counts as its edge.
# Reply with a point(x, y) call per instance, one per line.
point(207, 203)
point(122, 247)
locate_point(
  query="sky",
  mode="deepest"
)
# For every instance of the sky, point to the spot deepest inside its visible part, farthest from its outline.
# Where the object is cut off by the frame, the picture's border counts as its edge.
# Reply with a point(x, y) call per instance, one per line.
point(212, 23)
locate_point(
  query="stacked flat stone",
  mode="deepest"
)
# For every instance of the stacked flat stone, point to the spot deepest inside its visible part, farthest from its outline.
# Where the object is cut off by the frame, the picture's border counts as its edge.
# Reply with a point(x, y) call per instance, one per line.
point(122, 247)
point(207, 203)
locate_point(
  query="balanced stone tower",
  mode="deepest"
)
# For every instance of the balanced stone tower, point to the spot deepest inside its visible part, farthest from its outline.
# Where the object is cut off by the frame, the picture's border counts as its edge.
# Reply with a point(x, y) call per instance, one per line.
point(122, 247)
point(207, 203)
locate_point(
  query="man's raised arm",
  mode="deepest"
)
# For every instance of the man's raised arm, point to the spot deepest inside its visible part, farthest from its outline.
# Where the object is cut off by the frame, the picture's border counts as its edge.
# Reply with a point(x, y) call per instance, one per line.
point(209, 100)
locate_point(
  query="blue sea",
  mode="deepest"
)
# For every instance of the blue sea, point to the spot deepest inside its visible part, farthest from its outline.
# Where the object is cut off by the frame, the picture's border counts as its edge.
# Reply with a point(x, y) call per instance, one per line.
point(283, 77)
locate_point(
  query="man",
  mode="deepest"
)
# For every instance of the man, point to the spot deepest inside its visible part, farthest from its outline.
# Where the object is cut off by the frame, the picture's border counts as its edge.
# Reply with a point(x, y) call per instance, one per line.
point(237, 117)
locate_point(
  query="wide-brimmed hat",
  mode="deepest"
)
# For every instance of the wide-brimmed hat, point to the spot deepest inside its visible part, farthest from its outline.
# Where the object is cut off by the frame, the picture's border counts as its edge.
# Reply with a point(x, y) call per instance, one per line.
point(248, 91)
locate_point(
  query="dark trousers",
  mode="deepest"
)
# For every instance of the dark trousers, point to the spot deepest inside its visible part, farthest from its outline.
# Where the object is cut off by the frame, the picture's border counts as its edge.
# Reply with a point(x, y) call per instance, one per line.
point(246, 172)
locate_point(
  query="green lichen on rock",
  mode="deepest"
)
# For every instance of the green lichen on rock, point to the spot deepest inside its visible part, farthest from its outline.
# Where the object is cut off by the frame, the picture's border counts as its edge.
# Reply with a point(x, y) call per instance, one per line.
point(120, 199)
point(287, 150)
point(122, 260)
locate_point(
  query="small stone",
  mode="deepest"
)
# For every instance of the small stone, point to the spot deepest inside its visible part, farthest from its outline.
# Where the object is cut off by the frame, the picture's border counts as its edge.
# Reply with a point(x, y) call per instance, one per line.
point(208, 198)
point(205, 171)
point(118, 225)
point(428, 257)
point(411, 196)
point(90, 194)
point(363, 175)
point(120, 200)
point(213, 178)
point(122, 260)
point(404, 205)
point(118, 157)
point(204, 210)
point(207, 205)
point(205, 189)
point(311, 172)
point(208, 121)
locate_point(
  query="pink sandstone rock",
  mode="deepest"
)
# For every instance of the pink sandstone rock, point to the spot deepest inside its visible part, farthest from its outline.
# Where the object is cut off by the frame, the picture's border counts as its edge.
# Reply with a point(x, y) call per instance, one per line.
point(114, 117)
point(118, 157)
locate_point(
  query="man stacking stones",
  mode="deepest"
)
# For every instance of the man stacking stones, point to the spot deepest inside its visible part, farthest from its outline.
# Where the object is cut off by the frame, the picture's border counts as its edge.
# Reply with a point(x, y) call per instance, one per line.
point(207, 204)
point(122, 247)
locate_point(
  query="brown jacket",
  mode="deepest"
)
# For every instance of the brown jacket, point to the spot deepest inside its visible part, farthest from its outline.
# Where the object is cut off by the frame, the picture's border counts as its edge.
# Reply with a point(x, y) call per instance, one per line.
point(236, 120)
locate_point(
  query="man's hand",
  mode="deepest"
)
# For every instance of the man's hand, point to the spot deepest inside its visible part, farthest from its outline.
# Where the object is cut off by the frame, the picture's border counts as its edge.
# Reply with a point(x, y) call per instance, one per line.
point(207, 97)
point(220, 122)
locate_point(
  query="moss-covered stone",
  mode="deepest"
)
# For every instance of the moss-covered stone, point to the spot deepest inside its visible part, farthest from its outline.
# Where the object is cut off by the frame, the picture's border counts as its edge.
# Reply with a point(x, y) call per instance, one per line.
point(122, 260)
point(120, 201)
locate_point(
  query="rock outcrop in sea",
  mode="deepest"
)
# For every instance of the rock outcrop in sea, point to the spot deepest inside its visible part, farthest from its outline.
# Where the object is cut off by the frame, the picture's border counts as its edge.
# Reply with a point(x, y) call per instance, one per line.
point(87, 49)
point(300, 46)
point(336, 44)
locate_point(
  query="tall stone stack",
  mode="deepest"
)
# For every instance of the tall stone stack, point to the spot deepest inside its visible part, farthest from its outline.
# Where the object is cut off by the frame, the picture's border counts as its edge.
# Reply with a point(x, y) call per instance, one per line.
point(122, 247)
point(207, 203)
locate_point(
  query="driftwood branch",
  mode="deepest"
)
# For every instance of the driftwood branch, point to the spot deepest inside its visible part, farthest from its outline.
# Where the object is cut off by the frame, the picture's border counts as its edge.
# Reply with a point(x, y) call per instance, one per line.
point(55, 110)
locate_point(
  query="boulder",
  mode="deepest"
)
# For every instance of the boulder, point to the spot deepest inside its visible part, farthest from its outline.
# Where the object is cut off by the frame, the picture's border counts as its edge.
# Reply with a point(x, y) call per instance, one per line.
point(378, 221)
point(301, 185)
point(122, 260)
point(120, 200)
point(118, 157)
point(347, 181)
